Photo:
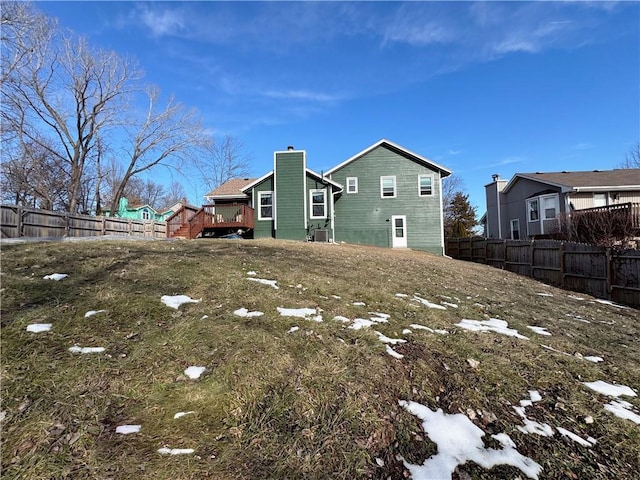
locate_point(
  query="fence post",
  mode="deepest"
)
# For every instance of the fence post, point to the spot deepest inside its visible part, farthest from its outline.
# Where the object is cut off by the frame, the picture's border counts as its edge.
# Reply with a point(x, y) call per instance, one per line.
point(532, 261)
point(19, 222)
point(66, 224)
point(609, 275)
point(562, 265)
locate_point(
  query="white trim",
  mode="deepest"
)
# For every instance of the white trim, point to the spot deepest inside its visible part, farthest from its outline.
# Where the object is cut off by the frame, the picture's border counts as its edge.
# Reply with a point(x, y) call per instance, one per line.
point(305, 220)
point(261, 179)
point(355, 185)
point(420, 177)
point(324, 203)
point(395, 186)
point(432, 165)
point(260, 194)
point(528, 210)
point(333, 215)
point(441, 215)
point(556, 206)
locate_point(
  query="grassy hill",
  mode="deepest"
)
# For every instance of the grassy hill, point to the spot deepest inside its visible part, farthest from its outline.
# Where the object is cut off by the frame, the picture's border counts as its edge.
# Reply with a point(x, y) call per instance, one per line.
point(319, 401)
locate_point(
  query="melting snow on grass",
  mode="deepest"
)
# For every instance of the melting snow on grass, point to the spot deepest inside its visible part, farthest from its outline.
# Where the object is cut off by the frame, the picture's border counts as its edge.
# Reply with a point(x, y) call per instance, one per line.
point(531, 426)
point(393, 341)
point(589, 442)
point(427, 303)
point(55, 276)
point(359, 304)
point(174, 301)
point(271, 283)
point(544, 294)
point(243, 312)
point(619, 408)
point(175, 451)
point(39, 327)
point(359, 323)
point(417, 326)
point(539, 330)
point(593, 359)
point(307, 313)
point(194, 372)
point(293, 329)
point(182, 414)
point(91, 313)
point(609, 302)
point(127, 429)
point(459, 440)
point(77, 349)
point(393, 353)
point(491, 325)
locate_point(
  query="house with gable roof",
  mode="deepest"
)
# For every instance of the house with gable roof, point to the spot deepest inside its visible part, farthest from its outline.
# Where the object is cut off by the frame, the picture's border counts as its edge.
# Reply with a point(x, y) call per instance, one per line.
point(385, 195)
point(531, 204)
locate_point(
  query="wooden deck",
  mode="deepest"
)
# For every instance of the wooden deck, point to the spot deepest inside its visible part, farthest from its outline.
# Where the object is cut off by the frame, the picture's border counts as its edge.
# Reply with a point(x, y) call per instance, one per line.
point(217, 218)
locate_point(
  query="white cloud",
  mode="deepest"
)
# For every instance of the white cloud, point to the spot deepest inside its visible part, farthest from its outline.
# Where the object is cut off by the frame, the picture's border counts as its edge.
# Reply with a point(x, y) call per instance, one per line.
point(161, 22)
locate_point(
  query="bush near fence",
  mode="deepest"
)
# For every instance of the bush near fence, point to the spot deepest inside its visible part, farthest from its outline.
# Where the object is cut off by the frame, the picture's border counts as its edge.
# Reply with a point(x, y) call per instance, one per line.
point(599, 271)
point(18, 222)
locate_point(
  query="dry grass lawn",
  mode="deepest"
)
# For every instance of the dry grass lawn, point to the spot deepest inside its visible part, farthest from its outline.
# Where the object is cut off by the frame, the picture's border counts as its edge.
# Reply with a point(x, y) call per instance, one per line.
point(319, 402)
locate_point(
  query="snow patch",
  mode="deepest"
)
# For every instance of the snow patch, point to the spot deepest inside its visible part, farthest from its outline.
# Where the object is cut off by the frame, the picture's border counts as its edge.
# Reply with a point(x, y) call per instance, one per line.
point(306, 313)
point(427, 303)
point(174, 301)
point(127, 429)
point(590, 442)
point(417, 326)
point(340, 318)
point(594, 359)
point(55, 276)
point(39, 327)
point(77, 349)
point(609, 302)
point(393, 353)
point(609, 389)
point(545, 294)
point(293, 329)
point(491, 325)
point(359, 323)
point(539, 330)
point(622, 409)
point(194, 372)
point(243, 312)
point(393, 341)
point(175, 451)
point(459, 440)
point(91, 313)
point(271, 283)
point(359, 304)
point(182, 414)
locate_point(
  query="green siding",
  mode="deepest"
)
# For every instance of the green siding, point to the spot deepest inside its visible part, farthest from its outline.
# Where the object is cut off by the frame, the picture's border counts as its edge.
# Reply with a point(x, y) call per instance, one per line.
point(365, 218)
point(262, 228)
point(290, 195)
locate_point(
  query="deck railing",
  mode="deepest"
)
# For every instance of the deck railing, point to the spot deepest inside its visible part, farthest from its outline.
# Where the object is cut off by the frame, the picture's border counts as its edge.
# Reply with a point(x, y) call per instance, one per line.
point(231, 216)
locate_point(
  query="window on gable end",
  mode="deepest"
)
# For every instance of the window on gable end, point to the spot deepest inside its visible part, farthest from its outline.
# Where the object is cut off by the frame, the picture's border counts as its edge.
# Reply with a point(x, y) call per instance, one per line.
point(533, 214)
point(425, 185)
point(352, 184)
point(265, 199)
point(388, 187)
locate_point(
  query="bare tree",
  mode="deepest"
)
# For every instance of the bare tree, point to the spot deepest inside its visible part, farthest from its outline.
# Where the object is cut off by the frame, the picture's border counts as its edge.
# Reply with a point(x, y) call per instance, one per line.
point(167, 137)
point(632, 160)
point(174, 194)
point(225, 158)
point(61, 96)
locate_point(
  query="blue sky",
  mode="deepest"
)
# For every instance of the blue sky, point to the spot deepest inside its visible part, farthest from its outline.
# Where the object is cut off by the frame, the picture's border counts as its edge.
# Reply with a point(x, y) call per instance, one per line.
point(478, 87)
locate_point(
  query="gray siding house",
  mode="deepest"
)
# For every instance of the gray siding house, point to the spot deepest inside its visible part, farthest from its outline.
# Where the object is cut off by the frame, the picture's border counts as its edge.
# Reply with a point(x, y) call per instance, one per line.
point(384, 195)
point(531, 204)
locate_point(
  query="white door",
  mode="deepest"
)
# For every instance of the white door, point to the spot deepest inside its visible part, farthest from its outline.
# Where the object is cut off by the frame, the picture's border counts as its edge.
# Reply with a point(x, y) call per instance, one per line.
point(399, 231)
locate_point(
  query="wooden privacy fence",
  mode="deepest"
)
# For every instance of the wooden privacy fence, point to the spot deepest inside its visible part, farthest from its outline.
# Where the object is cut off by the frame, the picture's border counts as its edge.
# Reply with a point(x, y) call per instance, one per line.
point(17, 222)
point(599, 271)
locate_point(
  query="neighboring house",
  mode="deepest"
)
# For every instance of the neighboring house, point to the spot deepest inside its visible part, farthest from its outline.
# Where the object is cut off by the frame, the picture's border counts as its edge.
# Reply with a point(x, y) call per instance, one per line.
point(531, 204)
point(384, 195)
point(138, 212)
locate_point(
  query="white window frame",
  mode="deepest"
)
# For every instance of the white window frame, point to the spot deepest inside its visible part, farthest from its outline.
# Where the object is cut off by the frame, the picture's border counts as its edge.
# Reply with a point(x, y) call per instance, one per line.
point(324, 203)
point(146, 214)
point(260, 195)
point(430, 194)
point(530, 201)
point(556, 206)
point(355, 184)
point(395, 186)
point(515, 221)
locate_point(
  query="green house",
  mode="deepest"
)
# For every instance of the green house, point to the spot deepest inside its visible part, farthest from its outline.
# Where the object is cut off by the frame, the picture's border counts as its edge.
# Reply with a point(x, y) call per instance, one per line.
point(384, 195)
point(138, 212)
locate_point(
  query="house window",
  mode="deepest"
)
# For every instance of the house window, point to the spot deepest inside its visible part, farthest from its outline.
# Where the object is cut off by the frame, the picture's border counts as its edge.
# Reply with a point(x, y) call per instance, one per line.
point(425, 185)
point(318, 203)
point(388, 187)
point(550, 207)
point(515, 229)
point(352, 184)
point(145, 215)
point(532, 210)
point(265, 199)
point(599, 199)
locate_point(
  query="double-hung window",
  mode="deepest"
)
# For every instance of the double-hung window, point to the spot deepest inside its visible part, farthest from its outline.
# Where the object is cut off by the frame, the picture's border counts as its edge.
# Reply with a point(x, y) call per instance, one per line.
point(146, 215)
point(265, 200)
point(533, 213)
point(318, 201)
point(352, 184)
point(425, 185)
point(388, 187)
point(550, 207)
